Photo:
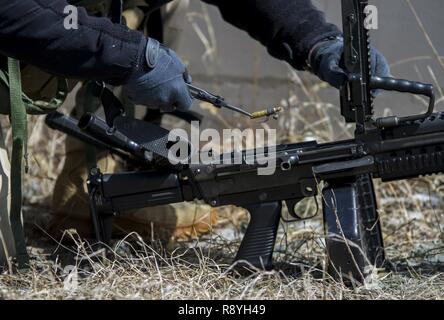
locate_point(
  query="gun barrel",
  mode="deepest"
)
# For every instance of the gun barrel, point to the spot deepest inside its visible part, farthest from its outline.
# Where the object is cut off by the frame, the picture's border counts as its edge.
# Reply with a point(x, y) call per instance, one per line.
point(96, 127)
point(68, 125)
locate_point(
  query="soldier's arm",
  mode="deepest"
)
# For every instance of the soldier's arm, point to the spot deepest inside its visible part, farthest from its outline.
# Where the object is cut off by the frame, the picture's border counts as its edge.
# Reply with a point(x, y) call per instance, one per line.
point(33, 31)
point(288, 28)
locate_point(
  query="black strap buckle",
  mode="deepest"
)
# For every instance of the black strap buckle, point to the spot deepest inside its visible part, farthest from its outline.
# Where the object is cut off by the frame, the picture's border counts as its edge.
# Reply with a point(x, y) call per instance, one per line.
point(111, 104)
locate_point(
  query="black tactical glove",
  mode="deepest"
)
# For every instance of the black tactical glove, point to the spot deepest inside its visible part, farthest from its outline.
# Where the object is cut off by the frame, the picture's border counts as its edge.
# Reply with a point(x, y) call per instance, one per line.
point(325, 61)
point(161, 82)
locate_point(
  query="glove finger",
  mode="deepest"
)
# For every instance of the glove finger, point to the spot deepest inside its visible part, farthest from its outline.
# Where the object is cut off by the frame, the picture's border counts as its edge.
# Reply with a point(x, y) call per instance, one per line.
point(335, 76)
point(183, 98)
point(380, 66)
point(187, 77)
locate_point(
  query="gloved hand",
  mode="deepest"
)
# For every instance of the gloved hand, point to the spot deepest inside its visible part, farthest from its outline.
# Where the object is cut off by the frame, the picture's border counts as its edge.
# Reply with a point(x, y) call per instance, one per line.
point(325, 62)
point(161, 82)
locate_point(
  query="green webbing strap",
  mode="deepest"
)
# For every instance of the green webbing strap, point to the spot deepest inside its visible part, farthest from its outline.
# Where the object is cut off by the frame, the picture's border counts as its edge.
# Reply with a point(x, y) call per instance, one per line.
point(91, 104)
point(19, 150)
point(36, 107)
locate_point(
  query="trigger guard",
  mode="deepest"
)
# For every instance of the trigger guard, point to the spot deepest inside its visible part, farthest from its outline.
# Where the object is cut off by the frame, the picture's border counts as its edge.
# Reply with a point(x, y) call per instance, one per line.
point(291, 205)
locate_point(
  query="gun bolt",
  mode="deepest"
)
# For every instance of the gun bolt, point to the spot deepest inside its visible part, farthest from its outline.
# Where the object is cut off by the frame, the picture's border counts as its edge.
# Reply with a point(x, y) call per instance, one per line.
point(289, 163)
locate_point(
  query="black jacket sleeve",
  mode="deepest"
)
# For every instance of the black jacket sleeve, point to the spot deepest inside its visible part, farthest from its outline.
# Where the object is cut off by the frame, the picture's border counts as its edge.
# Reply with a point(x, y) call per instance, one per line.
point(288, 28)
point(33, 31)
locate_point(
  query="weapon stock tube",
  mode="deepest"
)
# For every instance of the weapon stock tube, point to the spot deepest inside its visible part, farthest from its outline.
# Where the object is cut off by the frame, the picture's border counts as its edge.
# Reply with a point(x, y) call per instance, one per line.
point(100, 129)
point(69, 126)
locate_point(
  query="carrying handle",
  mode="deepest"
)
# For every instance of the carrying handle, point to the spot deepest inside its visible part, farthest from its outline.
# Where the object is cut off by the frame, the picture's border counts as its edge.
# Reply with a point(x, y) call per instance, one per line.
point(406, 86)
point(400, 85)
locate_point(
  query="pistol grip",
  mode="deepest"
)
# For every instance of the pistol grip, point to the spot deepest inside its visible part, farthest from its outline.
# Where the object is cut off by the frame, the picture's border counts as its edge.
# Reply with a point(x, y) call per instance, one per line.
point(257, 246)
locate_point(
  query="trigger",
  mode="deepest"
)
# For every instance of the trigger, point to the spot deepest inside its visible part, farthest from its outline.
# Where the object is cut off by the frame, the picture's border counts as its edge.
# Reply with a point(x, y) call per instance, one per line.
point(291, 206)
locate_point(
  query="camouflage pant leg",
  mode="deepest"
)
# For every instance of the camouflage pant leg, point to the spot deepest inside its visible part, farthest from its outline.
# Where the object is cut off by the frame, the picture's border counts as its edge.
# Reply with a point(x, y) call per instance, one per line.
point(174, 22)
point(70, 206)
point(70, 203)
point(173, 14)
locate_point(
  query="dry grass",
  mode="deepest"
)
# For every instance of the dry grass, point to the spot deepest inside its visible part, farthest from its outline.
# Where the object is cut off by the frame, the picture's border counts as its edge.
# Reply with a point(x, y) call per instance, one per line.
point(138, 271)
point(201, 270)
point(411, 216)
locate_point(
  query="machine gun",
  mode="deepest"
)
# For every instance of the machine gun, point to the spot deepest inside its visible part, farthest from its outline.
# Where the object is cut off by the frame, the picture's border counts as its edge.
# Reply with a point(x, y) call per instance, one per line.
point(390, 148)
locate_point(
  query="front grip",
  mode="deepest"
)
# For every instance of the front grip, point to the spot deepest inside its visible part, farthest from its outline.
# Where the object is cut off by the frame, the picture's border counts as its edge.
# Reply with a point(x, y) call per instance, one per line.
point(257, 246)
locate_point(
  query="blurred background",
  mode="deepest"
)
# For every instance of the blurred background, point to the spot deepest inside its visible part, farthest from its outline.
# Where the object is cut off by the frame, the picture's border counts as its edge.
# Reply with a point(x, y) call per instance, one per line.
point(228, 61)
